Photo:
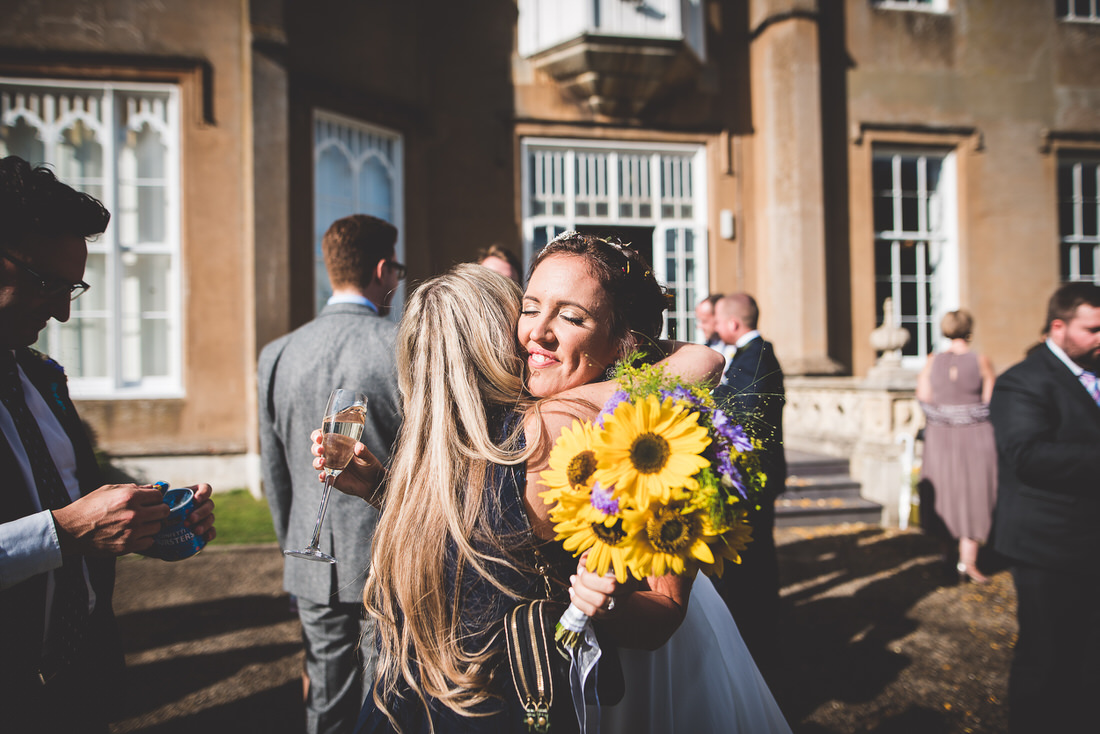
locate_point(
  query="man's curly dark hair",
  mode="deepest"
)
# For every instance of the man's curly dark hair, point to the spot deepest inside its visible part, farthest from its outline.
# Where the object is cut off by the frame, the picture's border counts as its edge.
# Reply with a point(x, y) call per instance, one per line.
point(34, 203)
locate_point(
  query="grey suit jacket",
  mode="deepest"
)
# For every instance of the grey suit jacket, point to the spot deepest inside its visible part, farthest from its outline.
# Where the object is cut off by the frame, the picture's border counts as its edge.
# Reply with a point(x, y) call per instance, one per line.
point(346, 346)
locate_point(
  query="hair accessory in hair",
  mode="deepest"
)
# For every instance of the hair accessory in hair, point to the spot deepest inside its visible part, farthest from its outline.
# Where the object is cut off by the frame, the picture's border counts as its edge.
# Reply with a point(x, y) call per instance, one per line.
point(624, 249)
point(567, 234)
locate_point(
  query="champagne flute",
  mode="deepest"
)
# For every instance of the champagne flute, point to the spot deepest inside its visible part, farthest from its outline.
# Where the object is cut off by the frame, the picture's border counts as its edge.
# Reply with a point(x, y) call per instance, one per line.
point(345, 416)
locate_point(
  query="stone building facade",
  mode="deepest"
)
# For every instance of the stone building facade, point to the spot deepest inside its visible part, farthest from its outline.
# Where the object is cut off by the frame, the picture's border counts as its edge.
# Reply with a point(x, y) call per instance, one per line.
point(821, 154)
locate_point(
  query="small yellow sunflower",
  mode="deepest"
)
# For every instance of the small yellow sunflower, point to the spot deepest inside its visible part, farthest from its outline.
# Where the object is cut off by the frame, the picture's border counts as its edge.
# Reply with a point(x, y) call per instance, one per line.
point(666, 539)
point(650, 448)
point(728, 547)
point(571, 461)
point(605, 540)
point(569, 504)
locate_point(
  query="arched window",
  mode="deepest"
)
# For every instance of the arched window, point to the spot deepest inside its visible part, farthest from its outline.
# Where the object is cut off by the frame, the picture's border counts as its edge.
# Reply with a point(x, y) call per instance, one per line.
point(357, 170)
point(119, 143)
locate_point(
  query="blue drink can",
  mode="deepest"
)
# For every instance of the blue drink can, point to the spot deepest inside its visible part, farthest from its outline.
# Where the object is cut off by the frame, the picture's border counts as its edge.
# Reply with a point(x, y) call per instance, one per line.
point(175, 541)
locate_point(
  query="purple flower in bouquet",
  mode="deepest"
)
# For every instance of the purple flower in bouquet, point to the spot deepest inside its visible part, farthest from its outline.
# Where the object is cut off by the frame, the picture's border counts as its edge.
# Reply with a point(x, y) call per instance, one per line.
point(728, 470)
point(682, 394)
point(732, 432)
point(612, 403)
point(603, 501)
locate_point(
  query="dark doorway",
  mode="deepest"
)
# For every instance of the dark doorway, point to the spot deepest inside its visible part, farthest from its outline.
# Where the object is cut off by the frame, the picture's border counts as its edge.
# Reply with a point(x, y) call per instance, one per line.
point(639, 238)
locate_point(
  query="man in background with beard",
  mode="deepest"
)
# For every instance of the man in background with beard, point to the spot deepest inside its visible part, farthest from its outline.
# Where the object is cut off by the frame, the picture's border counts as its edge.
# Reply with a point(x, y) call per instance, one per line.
point(1046, 417)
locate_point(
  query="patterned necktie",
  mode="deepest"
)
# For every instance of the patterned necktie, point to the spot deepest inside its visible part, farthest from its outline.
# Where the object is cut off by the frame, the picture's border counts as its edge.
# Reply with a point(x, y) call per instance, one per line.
point(1092, 384)
point(70, 600)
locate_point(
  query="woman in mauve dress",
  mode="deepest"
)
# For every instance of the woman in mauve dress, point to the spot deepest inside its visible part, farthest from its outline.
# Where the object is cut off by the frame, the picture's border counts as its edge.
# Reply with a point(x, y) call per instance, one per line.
point(960, 457)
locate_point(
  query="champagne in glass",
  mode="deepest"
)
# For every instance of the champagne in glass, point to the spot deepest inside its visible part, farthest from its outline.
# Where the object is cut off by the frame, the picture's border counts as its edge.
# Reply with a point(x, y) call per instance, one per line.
point(345, 416)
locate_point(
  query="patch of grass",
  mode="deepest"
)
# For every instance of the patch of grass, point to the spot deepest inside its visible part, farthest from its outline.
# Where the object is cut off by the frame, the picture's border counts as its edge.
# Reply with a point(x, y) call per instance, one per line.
point(241, 518)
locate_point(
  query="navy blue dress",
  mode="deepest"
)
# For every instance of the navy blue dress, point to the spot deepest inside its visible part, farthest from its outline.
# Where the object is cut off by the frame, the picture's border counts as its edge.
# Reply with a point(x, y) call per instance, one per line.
point(482, 618)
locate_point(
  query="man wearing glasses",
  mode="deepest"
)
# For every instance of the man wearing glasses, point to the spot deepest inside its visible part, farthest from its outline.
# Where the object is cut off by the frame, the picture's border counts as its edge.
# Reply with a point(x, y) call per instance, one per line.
point(60, 531)
point(347, 345)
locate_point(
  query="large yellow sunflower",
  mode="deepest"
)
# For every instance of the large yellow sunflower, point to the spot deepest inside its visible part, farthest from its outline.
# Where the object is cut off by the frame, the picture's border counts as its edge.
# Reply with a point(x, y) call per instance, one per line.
point(649, 448)
point(571, 461)
point(666, 539)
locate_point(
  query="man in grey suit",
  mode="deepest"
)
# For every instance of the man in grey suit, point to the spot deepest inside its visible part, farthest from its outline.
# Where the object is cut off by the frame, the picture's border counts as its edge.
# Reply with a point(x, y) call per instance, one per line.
point(348, 345)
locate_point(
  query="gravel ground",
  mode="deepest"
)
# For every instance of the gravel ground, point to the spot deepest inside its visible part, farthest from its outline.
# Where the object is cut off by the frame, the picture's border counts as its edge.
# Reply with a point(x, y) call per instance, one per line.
point(875, 639)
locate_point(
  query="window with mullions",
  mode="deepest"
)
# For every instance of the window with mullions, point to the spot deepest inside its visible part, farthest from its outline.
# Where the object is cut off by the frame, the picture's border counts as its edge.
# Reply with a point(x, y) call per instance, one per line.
point(650, 195)
point(1078, 11)
point(915, 261)
point(119, 143)
point(1079, 219)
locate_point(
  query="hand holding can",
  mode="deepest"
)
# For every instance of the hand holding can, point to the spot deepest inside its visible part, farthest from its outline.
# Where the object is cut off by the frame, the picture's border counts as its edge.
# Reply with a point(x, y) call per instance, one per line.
point(175, 541)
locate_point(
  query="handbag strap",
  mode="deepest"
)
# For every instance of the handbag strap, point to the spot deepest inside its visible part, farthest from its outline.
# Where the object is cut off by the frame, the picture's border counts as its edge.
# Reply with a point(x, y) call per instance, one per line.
point(527, 642)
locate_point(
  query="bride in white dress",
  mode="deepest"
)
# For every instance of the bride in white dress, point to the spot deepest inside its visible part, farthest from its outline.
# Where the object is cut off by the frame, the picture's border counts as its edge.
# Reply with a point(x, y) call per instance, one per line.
point(703, 680)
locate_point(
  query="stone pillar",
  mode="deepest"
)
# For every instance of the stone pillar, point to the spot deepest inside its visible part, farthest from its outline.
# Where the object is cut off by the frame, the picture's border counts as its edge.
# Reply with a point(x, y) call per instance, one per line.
point(270, 153)
point(271, 173)
point(787, 182)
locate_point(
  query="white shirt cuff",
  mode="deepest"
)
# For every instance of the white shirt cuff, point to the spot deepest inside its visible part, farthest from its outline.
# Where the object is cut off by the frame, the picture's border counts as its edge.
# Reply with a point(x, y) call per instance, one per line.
point(28, 546)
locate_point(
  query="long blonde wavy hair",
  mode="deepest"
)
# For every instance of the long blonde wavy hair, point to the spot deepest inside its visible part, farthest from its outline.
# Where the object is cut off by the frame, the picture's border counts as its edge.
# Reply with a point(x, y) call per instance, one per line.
point(457, 361)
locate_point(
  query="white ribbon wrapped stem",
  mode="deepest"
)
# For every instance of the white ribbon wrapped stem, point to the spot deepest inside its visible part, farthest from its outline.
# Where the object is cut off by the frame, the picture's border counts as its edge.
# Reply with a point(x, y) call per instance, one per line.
point(577, 639)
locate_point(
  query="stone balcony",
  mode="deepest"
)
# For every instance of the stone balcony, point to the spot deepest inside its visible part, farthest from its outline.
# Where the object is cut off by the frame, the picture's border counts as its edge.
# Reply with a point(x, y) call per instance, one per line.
point(613, 56)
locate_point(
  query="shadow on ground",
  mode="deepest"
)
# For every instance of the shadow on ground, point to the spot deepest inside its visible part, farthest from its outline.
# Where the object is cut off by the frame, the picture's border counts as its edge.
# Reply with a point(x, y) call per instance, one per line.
point(875, 638)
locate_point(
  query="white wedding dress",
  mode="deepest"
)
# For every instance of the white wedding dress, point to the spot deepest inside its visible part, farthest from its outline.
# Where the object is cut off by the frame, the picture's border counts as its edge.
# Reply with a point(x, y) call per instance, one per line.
point(703, 680)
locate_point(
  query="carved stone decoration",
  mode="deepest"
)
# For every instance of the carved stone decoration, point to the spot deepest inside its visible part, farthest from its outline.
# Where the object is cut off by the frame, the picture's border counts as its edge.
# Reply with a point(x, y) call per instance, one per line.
point(889, 338)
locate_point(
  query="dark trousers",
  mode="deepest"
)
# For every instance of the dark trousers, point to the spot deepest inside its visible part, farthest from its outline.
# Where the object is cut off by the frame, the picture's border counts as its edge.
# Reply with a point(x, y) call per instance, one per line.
point(1056, 668)
point(751, 591)
point(72, 702)
point(340, 670)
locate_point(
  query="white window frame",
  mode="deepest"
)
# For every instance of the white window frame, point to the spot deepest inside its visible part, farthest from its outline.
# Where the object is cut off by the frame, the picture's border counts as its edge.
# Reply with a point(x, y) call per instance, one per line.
point(1070, 14)
point(920, 6)
point(676, 216)
point(166, 121)
point(936, 262)
point(359, 144)
point(1077, 240)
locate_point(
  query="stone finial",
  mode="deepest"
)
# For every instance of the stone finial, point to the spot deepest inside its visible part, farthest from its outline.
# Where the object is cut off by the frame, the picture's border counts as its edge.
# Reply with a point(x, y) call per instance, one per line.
point(890, 337)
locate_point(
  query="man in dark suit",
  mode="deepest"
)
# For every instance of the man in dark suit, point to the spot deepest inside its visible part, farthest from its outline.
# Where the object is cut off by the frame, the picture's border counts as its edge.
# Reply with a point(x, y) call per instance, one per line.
point(350, 346)
point(752, 392)
point(59, 529)
point(1046, 418)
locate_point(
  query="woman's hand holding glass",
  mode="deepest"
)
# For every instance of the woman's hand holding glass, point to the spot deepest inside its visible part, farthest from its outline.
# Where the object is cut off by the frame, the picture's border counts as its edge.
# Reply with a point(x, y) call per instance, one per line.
point(360, 478)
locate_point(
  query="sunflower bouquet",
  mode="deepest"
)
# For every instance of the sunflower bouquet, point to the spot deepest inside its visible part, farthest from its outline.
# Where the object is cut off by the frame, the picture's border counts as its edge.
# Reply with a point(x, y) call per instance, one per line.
point(659, 483)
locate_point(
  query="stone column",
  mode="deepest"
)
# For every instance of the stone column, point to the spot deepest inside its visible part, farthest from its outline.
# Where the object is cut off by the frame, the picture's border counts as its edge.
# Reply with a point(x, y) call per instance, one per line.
point(787, 182)
point(269, 129)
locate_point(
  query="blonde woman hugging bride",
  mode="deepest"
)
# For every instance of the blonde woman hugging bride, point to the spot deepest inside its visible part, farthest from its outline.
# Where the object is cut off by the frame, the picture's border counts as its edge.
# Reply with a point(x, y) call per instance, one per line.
point(488, 381)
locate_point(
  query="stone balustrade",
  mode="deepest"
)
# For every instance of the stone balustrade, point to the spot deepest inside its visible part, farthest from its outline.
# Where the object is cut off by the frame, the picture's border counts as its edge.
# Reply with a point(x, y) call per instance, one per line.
point(859, 420)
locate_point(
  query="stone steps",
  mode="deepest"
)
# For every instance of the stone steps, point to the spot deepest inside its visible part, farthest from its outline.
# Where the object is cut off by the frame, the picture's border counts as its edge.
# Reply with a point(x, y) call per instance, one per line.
point(821, 492)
